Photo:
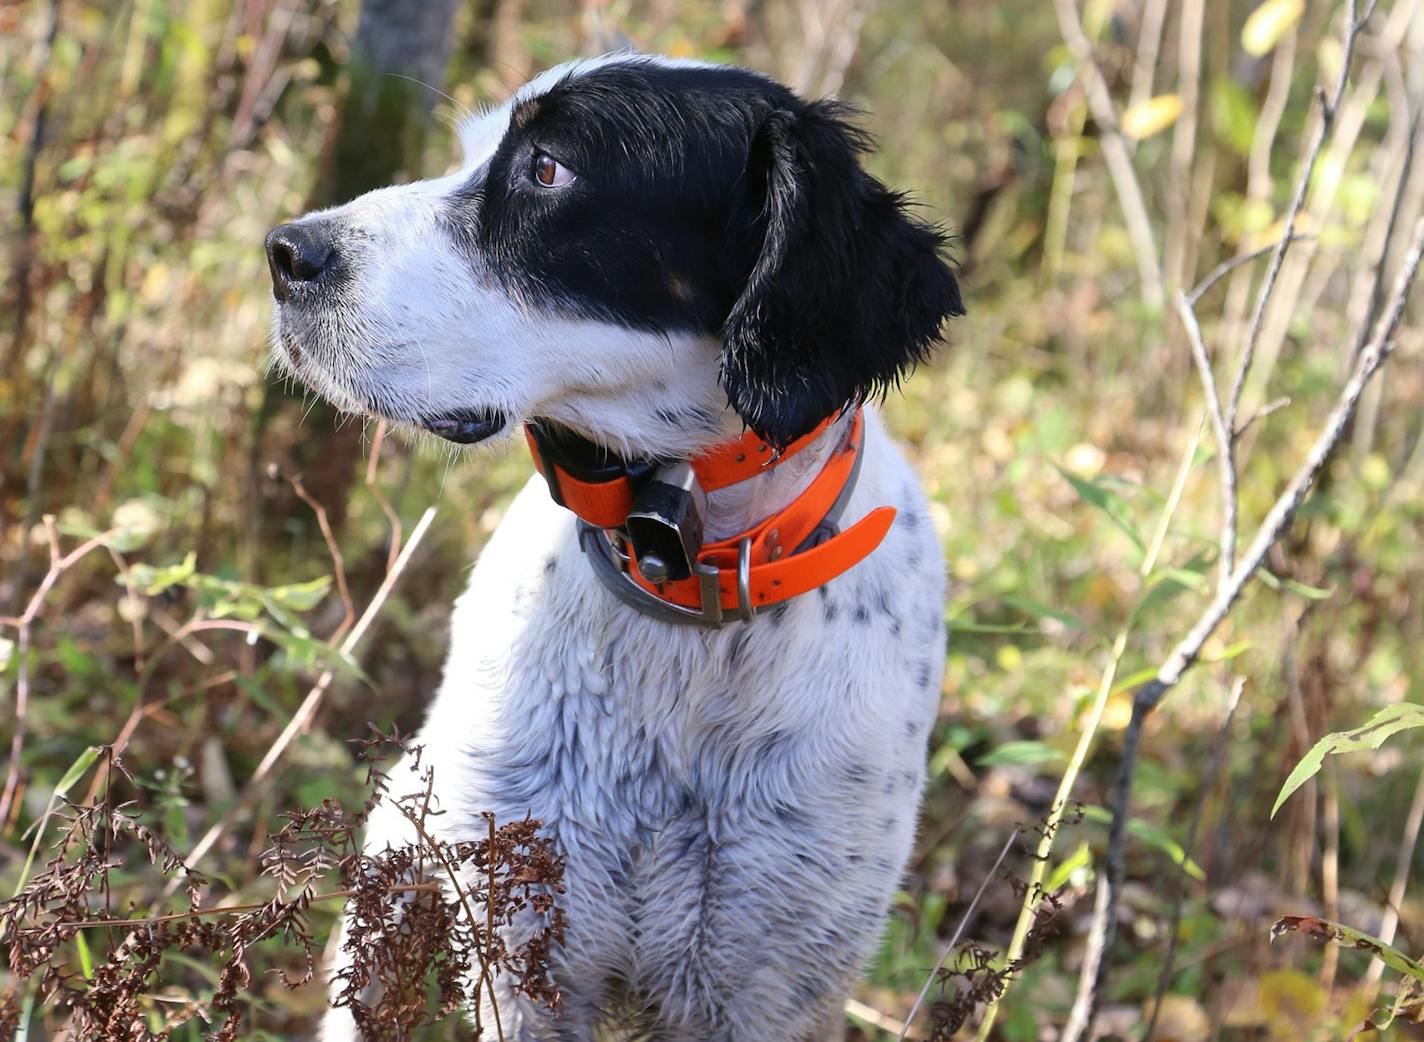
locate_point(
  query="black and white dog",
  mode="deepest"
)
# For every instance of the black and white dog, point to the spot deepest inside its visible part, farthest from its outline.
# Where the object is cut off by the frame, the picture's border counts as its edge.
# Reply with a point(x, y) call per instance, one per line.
point(643, 260)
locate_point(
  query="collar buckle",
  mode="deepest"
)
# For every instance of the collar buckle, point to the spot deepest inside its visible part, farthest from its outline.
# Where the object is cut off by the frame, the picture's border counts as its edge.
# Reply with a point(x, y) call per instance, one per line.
point(665, 525)
point(607, 550)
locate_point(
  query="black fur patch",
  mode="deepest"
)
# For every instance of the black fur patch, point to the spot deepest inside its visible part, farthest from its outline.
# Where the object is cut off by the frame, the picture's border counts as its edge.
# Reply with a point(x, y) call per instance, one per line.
point(714, 200)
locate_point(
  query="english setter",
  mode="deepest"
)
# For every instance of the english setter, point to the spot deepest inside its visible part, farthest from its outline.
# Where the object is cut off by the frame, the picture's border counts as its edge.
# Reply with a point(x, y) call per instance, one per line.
point(659, 268)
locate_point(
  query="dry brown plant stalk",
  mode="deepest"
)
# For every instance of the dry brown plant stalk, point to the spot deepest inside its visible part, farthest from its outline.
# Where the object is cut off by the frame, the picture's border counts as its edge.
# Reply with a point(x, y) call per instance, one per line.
point(417, 951)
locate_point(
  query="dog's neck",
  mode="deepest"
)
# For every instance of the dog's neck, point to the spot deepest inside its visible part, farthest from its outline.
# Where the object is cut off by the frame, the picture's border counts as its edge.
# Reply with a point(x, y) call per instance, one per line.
point(739, 507)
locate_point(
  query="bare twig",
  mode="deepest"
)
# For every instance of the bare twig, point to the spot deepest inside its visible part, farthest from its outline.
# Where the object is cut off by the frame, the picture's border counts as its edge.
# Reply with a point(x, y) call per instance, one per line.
point(1218, 752)
point(309, 705)
point(964, 921)
point(429, 887)
point(1149, 46)
point(1186, 652)
point(58, 565)
point(1180, 237)
point(1033, 892)
point(338, 563)
point(375, 490)
point(1226, 267)
point(1125, 183)
point(1221, 432)
point(1402, 862)
point(858, 1010)
point(1328, 106)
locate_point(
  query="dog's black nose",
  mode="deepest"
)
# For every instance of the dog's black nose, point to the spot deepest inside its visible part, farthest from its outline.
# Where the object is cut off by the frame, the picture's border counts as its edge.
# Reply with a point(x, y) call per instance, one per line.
point(298, 253)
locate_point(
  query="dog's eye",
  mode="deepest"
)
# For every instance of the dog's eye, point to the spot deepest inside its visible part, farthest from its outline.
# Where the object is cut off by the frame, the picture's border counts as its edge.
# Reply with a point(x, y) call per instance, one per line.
point(549, 172)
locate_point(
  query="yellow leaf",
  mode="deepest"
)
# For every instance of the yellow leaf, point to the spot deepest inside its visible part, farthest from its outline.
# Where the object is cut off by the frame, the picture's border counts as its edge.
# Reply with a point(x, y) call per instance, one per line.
point(1268, 23)
point(1292, 1001)
point(1182, 1019)
point(1151, 116)
point(1330, 55)
point(1117, 711)
point(155, 284)
point(1276, 231)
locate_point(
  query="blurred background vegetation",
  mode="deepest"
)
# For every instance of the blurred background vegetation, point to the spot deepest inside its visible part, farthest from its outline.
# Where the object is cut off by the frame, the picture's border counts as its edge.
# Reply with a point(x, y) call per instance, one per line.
point(147, 145)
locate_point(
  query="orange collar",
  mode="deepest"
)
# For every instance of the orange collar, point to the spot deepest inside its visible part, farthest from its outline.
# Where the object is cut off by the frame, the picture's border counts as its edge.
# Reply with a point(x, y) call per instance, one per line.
point(641, 525)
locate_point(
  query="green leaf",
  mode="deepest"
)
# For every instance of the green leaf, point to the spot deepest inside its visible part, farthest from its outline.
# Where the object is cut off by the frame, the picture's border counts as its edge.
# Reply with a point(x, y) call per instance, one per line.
point(1188, 577)
point(1109, 502)
point(1021, 753)
point(1347, 936)
point(301, 596)
point(1038, 610)
point(1135, 680)
point(1230, 651)
point(125, 539)
point(1080, 858)
point(149, 580)
point(1233, 114)
point(1313, 593)
point(86, 960)
point(237, 608)
point(76, 770)
point(1388, 721)
point(303, 652)
point(1017, 629)
point(1162, 589)
point(1153, 837)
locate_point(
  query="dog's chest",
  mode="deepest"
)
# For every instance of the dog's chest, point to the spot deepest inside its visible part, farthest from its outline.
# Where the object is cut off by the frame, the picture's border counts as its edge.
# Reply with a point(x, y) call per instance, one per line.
point(721, 798)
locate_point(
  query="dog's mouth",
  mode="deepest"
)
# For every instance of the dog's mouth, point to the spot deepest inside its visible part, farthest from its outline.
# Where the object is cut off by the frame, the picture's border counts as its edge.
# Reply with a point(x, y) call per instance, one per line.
point(464, 426)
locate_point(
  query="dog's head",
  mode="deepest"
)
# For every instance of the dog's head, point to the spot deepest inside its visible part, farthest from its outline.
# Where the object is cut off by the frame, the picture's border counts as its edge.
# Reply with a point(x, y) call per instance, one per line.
point(631, 245)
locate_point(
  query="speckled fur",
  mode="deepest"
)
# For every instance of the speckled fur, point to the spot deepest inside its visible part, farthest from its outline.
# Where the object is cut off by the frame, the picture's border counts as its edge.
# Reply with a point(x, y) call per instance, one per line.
point(736, 806)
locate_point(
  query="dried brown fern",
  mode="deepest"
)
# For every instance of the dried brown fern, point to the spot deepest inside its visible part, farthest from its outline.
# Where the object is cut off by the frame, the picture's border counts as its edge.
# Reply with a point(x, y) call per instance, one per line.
point(417, 949)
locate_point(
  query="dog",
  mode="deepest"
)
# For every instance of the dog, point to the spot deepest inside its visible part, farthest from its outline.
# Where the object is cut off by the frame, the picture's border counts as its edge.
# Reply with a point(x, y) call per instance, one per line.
point(704, 646)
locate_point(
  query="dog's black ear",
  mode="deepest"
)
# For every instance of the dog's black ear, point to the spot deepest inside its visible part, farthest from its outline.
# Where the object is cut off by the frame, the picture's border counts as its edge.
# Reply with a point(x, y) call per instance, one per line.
point(849, 289)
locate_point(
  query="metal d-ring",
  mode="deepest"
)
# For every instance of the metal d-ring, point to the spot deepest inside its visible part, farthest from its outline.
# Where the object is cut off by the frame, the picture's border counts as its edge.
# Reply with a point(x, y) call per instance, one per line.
point(744, 579)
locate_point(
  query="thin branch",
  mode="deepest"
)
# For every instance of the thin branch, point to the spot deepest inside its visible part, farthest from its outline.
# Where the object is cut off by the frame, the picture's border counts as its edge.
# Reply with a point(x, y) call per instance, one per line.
point(1186, 652)
point(1129, 191)
point(309, 705)
point(338, 563)
point(1402, 863)
point(1226, 267)
point(1274, 405)
point(1039, 868)
point(1218, 752)
point(1326, 121)
point(1394, 220)
point(1222, 433)
point(58, 565)
point(429, 887)
point(391, 516)
point(964, 921)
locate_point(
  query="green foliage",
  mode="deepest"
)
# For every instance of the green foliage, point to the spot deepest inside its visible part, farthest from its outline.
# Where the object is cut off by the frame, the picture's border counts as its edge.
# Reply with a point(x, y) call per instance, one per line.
point(1388, 722)
point(1048, 434)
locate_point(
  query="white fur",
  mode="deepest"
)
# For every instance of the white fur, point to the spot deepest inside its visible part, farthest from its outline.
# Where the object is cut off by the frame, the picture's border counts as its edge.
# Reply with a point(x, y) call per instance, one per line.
point(735, 806)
